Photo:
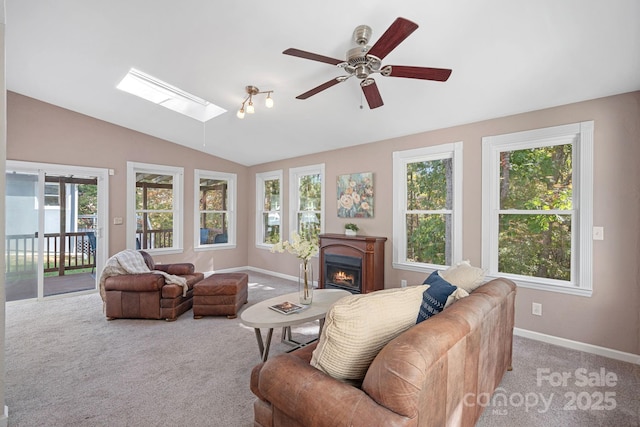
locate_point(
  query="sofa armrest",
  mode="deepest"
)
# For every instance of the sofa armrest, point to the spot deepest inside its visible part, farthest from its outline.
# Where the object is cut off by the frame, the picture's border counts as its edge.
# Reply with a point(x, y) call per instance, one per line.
point(315, 399)
point(145, 282)
point(178, 268)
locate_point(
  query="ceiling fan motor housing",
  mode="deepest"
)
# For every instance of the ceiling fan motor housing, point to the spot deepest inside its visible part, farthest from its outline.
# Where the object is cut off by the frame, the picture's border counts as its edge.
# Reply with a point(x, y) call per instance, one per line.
point(360, 64)
point(362, 34)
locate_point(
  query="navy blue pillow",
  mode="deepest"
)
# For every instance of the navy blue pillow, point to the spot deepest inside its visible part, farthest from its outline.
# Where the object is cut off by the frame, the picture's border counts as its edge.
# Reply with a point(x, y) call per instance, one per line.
point(435, 297)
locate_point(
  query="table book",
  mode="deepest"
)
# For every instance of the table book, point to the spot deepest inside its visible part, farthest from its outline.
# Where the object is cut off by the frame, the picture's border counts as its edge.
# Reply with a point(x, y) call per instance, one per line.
point(287, 307)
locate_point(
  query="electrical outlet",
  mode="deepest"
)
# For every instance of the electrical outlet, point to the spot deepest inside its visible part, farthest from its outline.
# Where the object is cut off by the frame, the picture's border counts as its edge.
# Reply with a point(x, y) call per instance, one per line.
point(536, 309)
point(403, 283)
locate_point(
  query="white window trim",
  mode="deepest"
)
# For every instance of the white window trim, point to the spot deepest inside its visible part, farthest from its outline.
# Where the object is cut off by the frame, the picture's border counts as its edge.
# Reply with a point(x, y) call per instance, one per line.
point(261, 178)
point(178, 189)
point(400, 161)
point(231, 179)
point(581, 134)
point(294, 197)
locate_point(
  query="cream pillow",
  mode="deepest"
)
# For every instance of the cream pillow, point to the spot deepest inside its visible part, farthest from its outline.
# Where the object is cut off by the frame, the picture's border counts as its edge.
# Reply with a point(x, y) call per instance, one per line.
point(455, 296)
point(463, 275)
point(358, 326)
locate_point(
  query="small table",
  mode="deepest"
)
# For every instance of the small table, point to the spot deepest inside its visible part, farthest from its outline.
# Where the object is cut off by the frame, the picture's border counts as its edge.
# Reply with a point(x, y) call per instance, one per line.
point(261, 316)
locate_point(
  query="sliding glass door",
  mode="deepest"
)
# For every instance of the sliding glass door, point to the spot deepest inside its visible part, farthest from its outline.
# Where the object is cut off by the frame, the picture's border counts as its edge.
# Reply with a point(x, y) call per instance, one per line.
point(21, 230)
point(55, 239)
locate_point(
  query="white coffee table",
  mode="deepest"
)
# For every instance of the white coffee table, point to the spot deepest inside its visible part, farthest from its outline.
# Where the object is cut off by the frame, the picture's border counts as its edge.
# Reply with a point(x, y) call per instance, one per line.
point(260, 316)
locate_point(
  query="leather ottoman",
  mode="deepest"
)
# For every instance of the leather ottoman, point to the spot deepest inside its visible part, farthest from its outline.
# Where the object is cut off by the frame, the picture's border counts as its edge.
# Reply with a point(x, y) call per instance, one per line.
point(221, 294)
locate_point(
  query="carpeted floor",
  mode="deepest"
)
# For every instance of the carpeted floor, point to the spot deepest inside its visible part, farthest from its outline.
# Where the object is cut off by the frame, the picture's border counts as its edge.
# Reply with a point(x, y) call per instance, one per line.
point(66, 365)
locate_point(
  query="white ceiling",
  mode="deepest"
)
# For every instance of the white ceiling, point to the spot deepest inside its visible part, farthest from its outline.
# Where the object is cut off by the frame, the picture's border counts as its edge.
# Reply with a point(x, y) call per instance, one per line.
point(507, 57)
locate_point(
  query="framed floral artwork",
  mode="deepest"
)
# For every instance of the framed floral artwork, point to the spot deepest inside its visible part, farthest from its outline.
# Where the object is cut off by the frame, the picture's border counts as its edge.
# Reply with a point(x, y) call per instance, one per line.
point(355, 195)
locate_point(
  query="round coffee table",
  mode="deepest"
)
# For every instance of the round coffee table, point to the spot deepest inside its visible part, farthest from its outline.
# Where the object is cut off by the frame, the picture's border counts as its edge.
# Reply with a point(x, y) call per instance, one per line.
point(260, 316)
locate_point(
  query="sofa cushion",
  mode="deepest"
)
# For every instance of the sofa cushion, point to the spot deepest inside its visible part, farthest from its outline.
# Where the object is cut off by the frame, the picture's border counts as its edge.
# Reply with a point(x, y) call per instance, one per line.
point(434, 297)
point(464, 275)
point(358, 326)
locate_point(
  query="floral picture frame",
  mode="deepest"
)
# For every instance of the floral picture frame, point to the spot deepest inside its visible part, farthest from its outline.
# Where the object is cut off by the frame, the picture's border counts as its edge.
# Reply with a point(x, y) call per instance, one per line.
point(355, 195)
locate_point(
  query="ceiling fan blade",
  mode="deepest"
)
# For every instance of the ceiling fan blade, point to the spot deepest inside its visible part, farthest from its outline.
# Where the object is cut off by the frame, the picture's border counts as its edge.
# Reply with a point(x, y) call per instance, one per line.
point(395, 34)
point(313, 56)
point(320, 88)
point(371, 92)
point(424, 73)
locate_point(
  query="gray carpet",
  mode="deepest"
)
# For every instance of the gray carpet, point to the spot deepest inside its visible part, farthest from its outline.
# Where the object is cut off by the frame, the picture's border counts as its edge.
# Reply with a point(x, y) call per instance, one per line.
point(67, 366)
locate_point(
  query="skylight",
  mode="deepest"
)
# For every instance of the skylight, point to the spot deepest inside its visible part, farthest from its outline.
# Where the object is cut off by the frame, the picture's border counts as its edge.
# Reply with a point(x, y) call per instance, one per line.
point(150, 88)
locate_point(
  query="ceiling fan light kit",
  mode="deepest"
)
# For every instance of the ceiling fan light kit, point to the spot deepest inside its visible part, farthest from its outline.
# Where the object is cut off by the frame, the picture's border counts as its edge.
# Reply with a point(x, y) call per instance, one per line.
point(363, 60)
point(248, 100)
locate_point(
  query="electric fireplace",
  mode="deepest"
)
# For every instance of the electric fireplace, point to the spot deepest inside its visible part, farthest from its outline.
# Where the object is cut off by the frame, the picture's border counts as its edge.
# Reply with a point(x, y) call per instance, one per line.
point(343, 272)
point(352, 263)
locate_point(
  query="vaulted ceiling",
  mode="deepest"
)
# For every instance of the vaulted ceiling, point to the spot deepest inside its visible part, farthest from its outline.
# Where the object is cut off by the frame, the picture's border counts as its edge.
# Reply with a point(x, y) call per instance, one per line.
point(507, 57)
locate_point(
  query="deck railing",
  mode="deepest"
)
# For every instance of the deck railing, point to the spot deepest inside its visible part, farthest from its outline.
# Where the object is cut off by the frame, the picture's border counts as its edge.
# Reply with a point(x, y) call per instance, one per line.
point(21, 250)
point(21, 253)
point(153, 239)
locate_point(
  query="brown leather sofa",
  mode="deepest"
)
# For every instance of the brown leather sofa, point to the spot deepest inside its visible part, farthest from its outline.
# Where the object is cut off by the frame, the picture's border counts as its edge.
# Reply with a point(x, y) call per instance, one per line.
point(433, 374)
point(147, 295)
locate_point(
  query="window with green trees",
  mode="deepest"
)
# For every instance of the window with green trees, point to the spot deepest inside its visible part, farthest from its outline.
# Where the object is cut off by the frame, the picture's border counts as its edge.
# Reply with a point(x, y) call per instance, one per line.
point(537, 212)
point(154, 207)
point(268, 208)
point(427, 191)
point(307, 195)
point(216, 194)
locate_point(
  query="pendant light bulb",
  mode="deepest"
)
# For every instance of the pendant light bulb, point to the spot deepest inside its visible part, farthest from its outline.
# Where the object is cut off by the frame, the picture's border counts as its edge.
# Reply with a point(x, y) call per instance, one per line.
point(269, 101)
point(250, 109)
point(240, 113)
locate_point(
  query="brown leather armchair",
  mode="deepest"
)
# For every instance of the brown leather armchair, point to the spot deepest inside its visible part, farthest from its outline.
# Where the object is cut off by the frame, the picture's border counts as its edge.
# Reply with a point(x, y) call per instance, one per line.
point(147, 295)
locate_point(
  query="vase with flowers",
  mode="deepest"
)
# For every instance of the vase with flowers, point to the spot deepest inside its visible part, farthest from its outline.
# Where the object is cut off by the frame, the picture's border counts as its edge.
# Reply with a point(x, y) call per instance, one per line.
point(303, 249)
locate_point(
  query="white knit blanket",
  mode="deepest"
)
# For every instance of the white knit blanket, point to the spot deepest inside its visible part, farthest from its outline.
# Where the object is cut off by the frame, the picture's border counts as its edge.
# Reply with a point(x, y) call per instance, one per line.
point(130, 261)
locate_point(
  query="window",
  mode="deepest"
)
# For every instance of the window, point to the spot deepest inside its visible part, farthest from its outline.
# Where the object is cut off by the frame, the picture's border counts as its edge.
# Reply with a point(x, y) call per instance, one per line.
point(154, 206)
point(215, 194)
point(268, 208)
point(306, 186)
point(51, 195)
point(537, 207)
point(427, 220)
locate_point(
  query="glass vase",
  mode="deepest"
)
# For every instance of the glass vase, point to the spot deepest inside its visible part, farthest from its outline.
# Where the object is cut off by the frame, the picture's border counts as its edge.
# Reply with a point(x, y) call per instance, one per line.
point(305, 283)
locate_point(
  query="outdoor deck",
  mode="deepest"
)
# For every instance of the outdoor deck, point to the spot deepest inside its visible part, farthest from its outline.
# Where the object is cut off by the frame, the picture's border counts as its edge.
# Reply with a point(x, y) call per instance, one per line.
point(55, 285)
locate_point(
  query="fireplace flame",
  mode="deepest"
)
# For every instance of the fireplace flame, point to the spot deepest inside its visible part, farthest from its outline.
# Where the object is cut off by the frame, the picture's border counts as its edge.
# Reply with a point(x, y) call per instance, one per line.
point(342, 277)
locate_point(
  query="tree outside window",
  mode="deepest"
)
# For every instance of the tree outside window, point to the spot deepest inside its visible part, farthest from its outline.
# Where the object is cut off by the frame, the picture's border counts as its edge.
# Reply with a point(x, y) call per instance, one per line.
point(428, 217)
point(215, 197)
point(428, 197)
point(154, 207)
point(309, 207)
point(307, 194)
point(154, 210)
point(268, 208)
point(213, 211)
point(537, 211)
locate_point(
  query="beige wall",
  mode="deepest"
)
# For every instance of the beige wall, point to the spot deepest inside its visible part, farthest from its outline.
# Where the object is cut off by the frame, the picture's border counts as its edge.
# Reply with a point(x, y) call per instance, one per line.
point(40, 132)
point(610, 318)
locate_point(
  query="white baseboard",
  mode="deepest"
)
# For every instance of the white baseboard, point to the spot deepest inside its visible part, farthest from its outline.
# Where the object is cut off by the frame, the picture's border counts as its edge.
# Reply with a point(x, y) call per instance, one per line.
point(257, 270)
point(273, 273)
point(4, 419)
point(580, 346)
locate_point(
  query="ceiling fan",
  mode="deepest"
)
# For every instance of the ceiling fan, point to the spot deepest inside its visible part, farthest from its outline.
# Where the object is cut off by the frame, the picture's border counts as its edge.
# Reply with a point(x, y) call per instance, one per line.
point(363, 61)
